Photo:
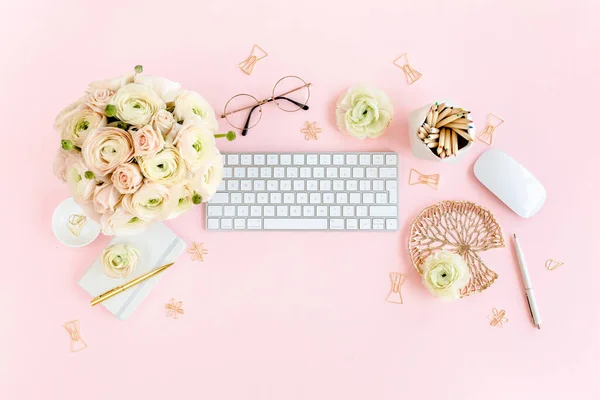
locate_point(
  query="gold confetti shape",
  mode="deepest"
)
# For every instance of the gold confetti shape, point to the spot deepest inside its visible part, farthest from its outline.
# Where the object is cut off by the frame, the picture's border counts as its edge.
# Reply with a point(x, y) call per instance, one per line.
point(311, 131)
point(174, 309)
point(197, 251)
point(497, 318)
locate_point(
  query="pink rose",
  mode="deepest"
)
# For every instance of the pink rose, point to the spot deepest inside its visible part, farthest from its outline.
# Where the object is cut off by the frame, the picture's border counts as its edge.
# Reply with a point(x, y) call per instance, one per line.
point(127, 178)
point(97, 99)
point(162, 122)
point(146, 141)
point(106, 197)
point(61, 162)
point(106, 148)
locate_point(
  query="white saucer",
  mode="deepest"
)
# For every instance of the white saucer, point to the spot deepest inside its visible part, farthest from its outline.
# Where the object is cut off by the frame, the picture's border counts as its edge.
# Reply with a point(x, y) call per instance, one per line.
point(61, 215)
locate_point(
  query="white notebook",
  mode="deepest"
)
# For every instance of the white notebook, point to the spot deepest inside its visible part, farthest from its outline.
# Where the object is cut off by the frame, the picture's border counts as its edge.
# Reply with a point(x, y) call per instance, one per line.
point(157, 246)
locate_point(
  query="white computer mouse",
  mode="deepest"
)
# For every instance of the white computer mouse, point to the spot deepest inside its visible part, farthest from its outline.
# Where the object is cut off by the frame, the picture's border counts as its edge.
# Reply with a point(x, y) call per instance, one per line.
point(511, 182)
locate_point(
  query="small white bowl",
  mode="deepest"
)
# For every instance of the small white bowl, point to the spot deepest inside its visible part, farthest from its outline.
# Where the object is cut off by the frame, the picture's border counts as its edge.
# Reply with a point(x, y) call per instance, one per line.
point(61, 215)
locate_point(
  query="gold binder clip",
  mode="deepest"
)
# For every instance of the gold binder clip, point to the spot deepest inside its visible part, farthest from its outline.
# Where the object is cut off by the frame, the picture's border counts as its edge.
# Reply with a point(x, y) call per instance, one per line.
point(395, 294)
point(256, 54)
point(75, 223)
point(412, 75)
point(77, 342)
point(174, 309)
point(311, 131)
point(552, 264)
point(486, 135)
point(197, 251)
point(432, 181)
point(498, 318)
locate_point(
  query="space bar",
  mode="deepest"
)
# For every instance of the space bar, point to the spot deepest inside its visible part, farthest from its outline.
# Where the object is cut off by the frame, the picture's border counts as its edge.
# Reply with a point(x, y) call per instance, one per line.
point(294, 224)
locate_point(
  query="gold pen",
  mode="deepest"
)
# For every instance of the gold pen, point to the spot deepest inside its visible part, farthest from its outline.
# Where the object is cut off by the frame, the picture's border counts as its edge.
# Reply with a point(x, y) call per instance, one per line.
point(119, 289)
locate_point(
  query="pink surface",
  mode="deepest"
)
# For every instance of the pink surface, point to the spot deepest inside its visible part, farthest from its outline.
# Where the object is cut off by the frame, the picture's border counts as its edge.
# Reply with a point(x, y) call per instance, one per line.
point(302, 315)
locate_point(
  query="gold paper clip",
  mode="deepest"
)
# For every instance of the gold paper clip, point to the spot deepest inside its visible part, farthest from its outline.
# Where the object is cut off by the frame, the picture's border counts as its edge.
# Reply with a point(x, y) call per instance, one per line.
point(486, 135)
point(197, 251)
point(412, 75)
point(77, 342)
point(174, 309)
point(552, 264)
point(248, 64)
point(395, 294)
point(432, 181)
point(75, 223)
point(498, 318)
point(311, 131)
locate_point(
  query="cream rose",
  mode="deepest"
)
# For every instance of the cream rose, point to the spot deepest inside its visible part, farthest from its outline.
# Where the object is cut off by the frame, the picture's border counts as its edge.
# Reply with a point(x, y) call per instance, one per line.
point(183, 194)
point(122, 223)
point(146, 141)
point(119, 260)
point(166, 167)
point(106, 198)
point(209, 176)
point(196, 143)
point(111, 84)
point(106, 148)
point(81, 182)
point(165, 88)
point(190, 105)
point(151, 202)
point(444, 274)
point(162, 122)
point(135, 104)
point(127, 178)
point(364, 112)
point(76, 123)
point(97, 99)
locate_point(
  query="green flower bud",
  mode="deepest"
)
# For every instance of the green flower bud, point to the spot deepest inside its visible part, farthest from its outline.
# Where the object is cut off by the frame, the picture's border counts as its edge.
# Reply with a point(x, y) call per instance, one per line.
point(138, 69)
point(122, 125)
point(67, 144)
point(110, 110)
point(196, 198)
point(89, 175)
point(229, 135)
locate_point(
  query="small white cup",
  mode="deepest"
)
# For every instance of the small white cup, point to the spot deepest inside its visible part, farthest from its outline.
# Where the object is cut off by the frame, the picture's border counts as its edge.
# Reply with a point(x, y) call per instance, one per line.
point(419, 149)
point(60, 218)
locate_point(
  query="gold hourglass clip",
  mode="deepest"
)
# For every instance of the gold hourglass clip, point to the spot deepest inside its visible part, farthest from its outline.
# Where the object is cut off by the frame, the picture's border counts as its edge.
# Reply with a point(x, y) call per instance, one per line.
point(311, 131)
point(395, 295)
point(486, 135)
point(412, 75)
point(75, 223)
point(552, 264)
point(256, 54)
point(77, 342)
point(432, 181)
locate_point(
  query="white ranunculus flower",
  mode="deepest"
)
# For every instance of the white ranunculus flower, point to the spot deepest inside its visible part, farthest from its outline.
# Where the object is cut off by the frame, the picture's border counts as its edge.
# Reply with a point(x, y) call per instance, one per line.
point(209, 176)
point(119, 260)
point(364, 112)
point(75, 122)
point(80, 180)
point(165, 88)
point(111, 84)
point(135, 104)
point(196, 143)
point(167, 167)
point(151, 202)
point(190, 105)
point(122, 223)
point(183, 194)
point(106, 148)
point(444, 274)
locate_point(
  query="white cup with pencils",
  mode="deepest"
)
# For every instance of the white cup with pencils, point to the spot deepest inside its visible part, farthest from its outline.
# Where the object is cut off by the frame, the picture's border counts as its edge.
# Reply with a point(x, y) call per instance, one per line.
point(440, 131)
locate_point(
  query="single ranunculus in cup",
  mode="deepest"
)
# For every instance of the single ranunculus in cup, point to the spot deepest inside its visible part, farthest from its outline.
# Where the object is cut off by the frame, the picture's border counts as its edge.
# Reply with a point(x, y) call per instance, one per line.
point(183, 194)
point(165, 88)
point(75, 122)
point(196, 143)
point(127, 178)
point(119, 260)
point(152, 201)
point(209, 176)
point(81, 182)
point(122, 223)
point(189, 105)
point(162, 122)
point(167, 167)
point(146, 141)
point(106, 198)
point(97, 99)
point(135, 104)
point(106, 148)
point(364, 112)
point(444, 274)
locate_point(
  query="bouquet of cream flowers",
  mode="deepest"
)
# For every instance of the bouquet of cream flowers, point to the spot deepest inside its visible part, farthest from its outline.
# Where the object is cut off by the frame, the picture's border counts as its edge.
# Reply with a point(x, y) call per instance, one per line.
point(138, 149)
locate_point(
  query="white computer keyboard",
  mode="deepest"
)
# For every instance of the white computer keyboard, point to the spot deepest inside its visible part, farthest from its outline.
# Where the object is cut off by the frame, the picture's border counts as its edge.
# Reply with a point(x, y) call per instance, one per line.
point(313, 191)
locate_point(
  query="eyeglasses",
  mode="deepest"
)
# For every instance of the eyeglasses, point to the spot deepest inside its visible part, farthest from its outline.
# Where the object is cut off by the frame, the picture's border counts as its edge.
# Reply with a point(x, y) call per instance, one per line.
point(290, 93)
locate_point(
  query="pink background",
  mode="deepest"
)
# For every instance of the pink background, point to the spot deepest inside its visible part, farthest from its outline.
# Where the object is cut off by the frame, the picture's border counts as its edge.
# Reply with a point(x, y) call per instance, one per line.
point(302, 315)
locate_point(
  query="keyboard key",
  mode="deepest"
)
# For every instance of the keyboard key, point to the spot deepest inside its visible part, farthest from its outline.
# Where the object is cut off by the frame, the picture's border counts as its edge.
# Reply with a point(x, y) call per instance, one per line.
point(239, 223)
point(308, 211)
point(214, 211)
point(243, 211)
point(236, 198)
point(315, 198)
point(352, 185)
point(275, 198)
point(391, 224)
point(246, 159)
point(381, 198)
point(338, 159)
point(324, 186)
point(265, 172)
point(249, 198)
point(362, 211)
point(220, 198)
point(378, 159)
point(392, 188)
point(348, 211)
point(229, 211)
point(245, 185)
point(345, 172)
point(256, 211)
point(272, 159)
point(212, 223)
point(312, 185)
point(368, 198)
point(351, 159)
point(365, 224)
point(295, 211)
point(328, 198)
point(259, 185)
point(365, 186)
point(391, 159)
point(305, 172)
point(378, 186)
point(312, 159)
point(319, 172)
point(262, 198)
point(226, 223)
point(233, 159)
point(269, 211)
point(338, 185)
point(383, 211)
point(295, 224)
point(365, 159)
point(342, 198)
point(378, 224)
point(285, 186)
point(239, 172)
point(292, 172)
point(289, 198)
point(387, 172)
point(254, 223)
point(285, 159)
point(279, 172)
point(227, 172)
point(272, 185)
point(354, 198)
point(352, 224)
point(259, 159)
point(358, 172)
point(298, 159)
point(302, 198)
point(233, 185)
point(371, 172)
point(252, 172)
point(335, 223)
point(298, 185)
point(332, 172)
point(282, 211)
point(325, 159)
point(321, 211)
point(335, 211)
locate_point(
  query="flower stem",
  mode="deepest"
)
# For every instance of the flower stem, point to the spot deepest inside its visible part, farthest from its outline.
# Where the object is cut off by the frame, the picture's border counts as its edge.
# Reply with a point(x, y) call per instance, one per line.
point(229, 135)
